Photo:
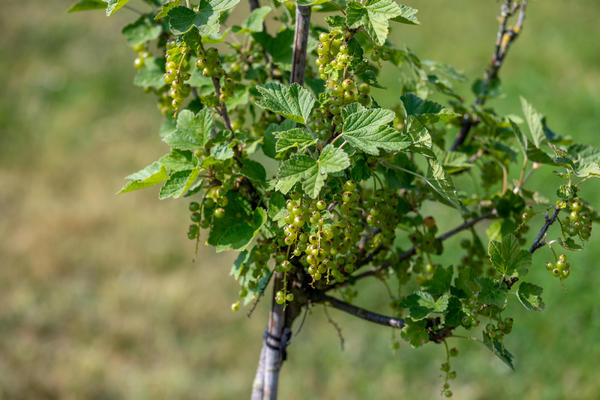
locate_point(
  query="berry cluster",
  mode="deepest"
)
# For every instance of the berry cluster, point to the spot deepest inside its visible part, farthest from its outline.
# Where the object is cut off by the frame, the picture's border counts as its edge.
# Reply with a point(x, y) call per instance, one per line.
point(334, 61)
point(177, 73)
point(579, 222)
point(330, 239)
point(381, 53)
point(472, 309)
point(142, 56)
point(210, 63)
point(499, 329)
point(560, 268)
point(332, 52)
point(449, 374)
point(196, 218)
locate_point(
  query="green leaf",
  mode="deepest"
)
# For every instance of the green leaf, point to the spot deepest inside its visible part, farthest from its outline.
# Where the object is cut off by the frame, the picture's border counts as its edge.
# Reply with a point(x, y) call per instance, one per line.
point(179, 160)
point(112, 6)
point(141, 31)
point(293, 102)
point(164, 10)
point(538, 155)
point(193, 130)
point(222, 151)
point(181, 19)
point(440, 282)
point(586, 159)
point(223, 5)
point(312, 174)
point(498, 229)
point(86, 5)
point(415, 332)
point(422, 304)
point(366, 131)
point(407, 16)
point(269, 140)
point(167, 127)
point(206, 19)
point(297, 137)
point(367, 121)
point(530, 296)
point(335, 21)
point(279, 47)
point(454, 312)
point(178, 183)
point(452, 161)
point(331, 160)
point(294, 169)
point(442, 185)
point(507, 256)
point(254, 171)
point(570, 244)
point(239, 225)
point(151, 175)
point(254, 22)
point(534, 120)
point(421, 139)
point(276, 206)
point(491, 292)
point(521, 138)
point(151, 76)
point(499, 350)
point(374, 16)
point(427, 111)
point(244, 269)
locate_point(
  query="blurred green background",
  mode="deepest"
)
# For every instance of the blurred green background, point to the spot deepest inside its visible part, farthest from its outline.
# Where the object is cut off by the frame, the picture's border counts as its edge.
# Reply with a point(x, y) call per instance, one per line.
point(100, 297)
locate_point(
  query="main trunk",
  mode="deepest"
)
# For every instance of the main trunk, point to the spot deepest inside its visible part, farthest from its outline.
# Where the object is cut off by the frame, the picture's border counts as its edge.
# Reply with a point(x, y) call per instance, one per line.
point(279, 327)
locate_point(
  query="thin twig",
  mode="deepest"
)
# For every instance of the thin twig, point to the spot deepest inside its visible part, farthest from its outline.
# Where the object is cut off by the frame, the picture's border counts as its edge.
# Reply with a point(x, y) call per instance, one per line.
point(504, 39)
point(539, 239)
point(337, 328)
point(222, 107)
point(370, 316)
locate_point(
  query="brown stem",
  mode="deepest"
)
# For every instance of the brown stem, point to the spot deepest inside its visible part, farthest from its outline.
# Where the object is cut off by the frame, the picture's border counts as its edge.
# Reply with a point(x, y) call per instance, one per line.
point(258, 387)
point(222, 106)
point(504, 39)
point(300, 42)
point(539, 239)
point(280, 317)
point(361, 312)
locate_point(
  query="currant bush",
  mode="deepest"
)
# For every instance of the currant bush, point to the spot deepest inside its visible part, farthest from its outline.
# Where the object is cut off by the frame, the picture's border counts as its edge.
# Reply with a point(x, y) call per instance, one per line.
point(323, 182)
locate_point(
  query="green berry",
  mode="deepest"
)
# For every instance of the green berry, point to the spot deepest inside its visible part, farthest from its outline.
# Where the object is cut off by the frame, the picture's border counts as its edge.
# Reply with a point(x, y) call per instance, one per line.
point(350, 186)
point(139, 63)
point(219, 212)
point(196, 217)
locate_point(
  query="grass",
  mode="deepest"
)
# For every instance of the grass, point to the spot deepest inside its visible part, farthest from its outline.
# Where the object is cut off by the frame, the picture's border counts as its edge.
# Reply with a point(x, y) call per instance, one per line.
point(100, 297)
